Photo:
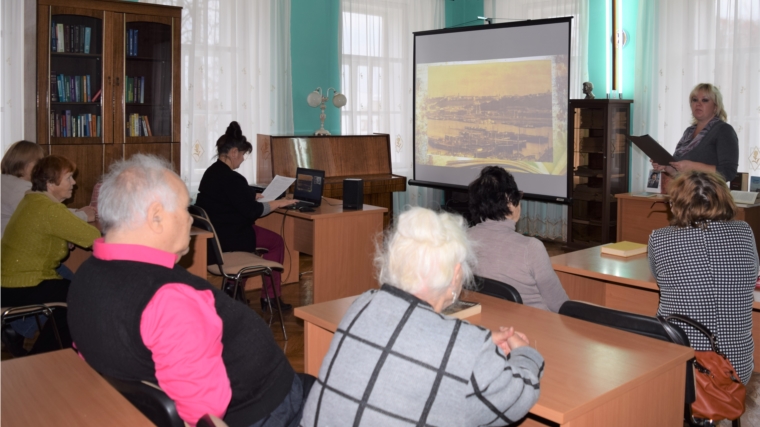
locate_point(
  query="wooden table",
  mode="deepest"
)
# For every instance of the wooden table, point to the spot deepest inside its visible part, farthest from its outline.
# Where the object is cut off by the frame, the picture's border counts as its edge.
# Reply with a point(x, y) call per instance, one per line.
point(342, 244)
point(638, 216)
point(594, 375)
point(59, 388)
point(623, 284)
point(194, 261)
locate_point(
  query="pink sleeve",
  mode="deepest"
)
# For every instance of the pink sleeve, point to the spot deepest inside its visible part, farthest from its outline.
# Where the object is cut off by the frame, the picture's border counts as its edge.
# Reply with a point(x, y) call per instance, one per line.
point(182, 329)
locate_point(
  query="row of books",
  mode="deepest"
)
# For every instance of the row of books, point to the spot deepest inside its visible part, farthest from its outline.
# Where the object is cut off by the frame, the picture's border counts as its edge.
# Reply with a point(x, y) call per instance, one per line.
point(70, 38)
point(138, 125)
point(131, 42)
point(135, 88)
point(64, 124)
point(71, 88)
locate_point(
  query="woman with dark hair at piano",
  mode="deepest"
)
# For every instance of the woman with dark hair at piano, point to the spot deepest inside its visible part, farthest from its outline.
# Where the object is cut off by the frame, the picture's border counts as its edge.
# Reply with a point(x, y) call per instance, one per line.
point(233, 209)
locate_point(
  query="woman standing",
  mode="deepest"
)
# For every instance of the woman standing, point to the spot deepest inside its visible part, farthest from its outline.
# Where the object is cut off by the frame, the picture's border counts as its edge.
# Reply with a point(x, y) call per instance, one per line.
point(233, 209)
point(709, 144)
point(706, 266)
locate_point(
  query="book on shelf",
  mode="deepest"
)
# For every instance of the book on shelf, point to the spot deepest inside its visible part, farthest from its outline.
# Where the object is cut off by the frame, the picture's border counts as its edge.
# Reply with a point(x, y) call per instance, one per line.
point(53, 37)
point(147, 125)
point(740, 182)
point(96, 96)
point(66, 38)
point(75, 38)
point(142, 89)
point(87, 36)
point(53, 87)
point(60, 40)
point(754, 184)
point(462, 309)
point(134, 44)
point(624, 249)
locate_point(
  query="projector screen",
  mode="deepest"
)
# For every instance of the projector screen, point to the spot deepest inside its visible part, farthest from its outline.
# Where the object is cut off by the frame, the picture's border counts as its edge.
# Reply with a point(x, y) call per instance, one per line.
point(493, 95)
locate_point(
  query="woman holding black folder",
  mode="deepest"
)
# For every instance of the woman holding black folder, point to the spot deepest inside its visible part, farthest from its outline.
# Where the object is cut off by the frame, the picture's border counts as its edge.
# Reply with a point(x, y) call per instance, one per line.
point(709, 144)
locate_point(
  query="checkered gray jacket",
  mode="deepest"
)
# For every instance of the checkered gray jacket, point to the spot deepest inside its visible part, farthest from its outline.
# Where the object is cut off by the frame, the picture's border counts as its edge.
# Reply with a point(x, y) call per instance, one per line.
point(395, 362)
point(709, 275)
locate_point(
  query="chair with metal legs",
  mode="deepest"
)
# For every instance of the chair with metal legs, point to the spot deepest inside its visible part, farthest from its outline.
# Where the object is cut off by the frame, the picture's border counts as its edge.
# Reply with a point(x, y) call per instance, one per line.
point(235, 267)
point(10, 314)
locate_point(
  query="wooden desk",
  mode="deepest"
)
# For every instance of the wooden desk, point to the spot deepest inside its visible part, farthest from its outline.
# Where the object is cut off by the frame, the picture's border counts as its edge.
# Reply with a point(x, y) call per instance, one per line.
point(342, 244)
point(594, 375)
point(59, 388)
point(623, 284)
point(194, 261)
point(637, 217)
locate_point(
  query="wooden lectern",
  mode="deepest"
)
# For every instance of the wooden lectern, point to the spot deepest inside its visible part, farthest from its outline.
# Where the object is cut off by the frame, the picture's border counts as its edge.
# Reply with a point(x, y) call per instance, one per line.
point(352, 156)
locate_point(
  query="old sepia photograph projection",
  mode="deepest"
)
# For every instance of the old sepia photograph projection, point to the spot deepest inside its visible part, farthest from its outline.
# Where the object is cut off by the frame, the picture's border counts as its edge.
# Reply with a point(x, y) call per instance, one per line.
point(508, 112)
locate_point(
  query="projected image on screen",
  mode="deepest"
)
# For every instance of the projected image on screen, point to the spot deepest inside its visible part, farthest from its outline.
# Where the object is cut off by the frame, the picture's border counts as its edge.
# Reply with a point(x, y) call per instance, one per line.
point(493, 95)
point(490, 112)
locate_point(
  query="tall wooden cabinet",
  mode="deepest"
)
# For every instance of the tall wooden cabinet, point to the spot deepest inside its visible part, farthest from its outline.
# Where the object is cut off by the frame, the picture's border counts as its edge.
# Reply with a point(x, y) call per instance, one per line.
point(108, 84)
point(599, 130)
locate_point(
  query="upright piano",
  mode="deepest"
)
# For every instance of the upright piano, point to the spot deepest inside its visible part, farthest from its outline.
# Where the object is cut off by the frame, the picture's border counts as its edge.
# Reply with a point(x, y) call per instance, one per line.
point(351, 156)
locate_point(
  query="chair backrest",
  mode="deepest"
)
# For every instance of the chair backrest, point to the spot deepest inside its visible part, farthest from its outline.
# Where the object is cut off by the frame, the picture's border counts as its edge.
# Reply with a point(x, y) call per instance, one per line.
point(150, 400)
point(197, 211)
point(497, 289)
point(214, 247)
point(623, 320)
point(210, 421)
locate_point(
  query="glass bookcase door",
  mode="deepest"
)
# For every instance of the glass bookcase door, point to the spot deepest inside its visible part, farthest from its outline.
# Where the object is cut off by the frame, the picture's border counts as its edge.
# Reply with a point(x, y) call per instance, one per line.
point(588, 178)
point(76, 79)
point(147, 81)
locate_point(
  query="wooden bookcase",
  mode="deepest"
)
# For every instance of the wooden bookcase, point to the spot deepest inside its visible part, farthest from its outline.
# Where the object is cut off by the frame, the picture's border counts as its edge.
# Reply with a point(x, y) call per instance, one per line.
point(599, 130)
point(84, 110)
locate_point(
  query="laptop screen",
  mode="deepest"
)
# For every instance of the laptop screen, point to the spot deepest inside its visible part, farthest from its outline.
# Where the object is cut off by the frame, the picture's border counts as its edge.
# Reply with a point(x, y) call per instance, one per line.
point(309, 185)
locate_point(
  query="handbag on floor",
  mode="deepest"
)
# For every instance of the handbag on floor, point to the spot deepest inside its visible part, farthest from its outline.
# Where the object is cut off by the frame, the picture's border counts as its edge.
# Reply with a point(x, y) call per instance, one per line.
point(720, 392)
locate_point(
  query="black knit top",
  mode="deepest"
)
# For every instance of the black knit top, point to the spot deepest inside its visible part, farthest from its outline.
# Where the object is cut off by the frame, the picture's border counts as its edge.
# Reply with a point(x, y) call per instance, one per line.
point(231, 206)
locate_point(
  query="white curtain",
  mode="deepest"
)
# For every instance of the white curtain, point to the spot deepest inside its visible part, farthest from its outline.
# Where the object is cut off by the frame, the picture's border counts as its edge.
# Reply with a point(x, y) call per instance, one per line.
point(695, 41)
point(549, 220)
point(235, 66)
point(377, 47)
point(11, 72)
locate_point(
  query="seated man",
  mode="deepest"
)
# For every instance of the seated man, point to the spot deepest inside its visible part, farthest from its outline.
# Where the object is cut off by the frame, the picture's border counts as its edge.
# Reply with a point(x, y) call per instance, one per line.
point(135, 315)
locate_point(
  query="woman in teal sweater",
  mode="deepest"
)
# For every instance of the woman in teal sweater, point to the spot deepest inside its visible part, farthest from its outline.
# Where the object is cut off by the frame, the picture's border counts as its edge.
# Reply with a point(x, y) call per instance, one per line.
point(37, 239)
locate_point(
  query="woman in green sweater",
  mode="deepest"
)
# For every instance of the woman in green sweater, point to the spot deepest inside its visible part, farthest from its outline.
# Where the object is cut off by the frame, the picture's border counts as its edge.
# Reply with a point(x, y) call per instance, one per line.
point(37, 239)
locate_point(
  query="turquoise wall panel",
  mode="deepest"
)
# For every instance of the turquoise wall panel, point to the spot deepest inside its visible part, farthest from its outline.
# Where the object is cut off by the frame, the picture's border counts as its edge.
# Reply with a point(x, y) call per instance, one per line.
point(462, 13)
point(314, 60)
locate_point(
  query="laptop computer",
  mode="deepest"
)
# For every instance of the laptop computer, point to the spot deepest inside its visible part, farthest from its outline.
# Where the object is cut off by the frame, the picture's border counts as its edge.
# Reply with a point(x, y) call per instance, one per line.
point(308, 187)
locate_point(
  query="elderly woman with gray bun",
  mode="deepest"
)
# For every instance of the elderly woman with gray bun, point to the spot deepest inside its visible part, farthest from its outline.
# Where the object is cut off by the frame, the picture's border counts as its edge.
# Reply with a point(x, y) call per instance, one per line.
point(395, 360)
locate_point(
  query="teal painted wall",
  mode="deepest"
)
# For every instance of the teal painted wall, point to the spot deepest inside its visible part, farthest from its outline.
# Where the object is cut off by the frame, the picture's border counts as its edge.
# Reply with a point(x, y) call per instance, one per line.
point(463, 13)
point(596, 46)
point(314, 60)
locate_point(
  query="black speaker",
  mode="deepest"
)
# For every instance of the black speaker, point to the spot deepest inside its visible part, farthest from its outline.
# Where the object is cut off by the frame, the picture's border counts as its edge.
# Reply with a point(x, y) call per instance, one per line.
point(353, 193)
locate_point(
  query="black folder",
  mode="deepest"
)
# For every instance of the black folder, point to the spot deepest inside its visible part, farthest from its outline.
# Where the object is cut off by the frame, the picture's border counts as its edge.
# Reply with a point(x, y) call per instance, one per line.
point(654, 150)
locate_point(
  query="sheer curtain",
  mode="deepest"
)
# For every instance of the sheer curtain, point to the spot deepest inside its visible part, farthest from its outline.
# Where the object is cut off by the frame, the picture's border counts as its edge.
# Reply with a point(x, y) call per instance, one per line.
point(694, 41)
point(11, 73)
point(377, 47)
point(235, 66)
point(549, 220)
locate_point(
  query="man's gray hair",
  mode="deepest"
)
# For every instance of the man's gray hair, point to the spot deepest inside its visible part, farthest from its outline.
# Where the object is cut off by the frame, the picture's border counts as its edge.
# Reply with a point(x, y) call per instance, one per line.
point(128, 189)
